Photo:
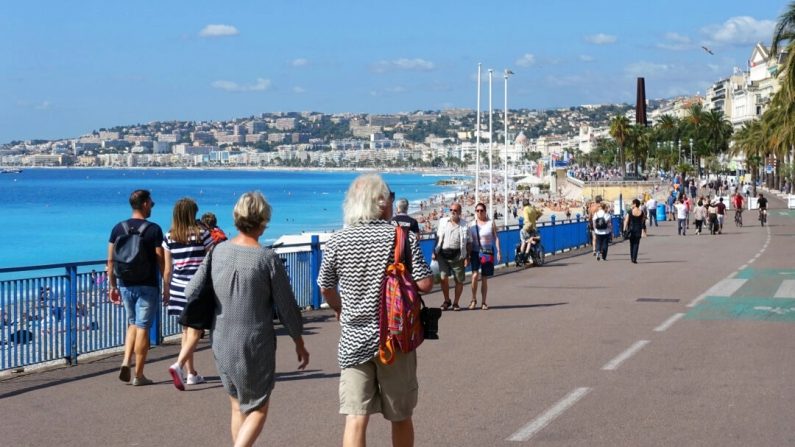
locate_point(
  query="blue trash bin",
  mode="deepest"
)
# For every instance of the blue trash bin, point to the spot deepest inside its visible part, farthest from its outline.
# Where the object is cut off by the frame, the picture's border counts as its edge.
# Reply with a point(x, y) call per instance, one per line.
point(661, 212)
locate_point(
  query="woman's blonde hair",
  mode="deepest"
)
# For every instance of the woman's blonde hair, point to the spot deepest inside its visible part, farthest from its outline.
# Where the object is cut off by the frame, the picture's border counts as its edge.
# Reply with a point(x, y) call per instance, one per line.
point(366, 199)
point(252, 212)
point(183, 221)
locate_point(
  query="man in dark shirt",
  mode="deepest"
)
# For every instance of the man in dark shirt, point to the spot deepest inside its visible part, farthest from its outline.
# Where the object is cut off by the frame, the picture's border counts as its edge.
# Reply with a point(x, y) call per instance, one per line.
point(721, 214)
point(403, 219)
point(762, 202)
point(138, 296)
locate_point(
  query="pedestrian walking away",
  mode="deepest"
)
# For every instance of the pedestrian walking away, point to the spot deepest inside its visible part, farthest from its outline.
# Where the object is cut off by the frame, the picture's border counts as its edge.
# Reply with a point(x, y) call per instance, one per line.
point(135, 258)
point(635, 228)
point(350, 279)
point(603, 227)
point(680, 210)
point(250, 284)
point(184, 246)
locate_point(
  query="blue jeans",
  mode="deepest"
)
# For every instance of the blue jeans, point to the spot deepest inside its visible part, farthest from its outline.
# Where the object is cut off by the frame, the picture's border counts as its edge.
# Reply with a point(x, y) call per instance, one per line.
point(681, 226)
point(140, 302)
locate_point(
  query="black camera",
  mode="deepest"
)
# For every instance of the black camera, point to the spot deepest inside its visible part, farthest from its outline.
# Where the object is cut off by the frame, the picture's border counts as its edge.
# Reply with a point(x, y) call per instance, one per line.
point(430, 322)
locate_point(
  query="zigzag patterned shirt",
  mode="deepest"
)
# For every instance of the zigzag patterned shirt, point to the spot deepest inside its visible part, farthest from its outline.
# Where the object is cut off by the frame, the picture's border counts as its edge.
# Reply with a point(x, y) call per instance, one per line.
point(355, 259)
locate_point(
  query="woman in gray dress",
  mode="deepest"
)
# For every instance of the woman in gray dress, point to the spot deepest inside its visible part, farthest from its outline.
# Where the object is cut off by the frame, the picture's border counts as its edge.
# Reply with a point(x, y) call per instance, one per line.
point(249, 281)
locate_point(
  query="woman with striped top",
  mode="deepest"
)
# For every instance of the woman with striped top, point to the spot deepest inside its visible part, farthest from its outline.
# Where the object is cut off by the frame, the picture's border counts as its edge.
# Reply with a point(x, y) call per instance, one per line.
point(184, 245)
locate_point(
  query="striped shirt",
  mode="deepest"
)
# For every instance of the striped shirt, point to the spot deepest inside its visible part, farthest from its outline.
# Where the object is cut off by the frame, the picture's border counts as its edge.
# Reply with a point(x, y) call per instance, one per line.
point(355, 259)
point(185, 260)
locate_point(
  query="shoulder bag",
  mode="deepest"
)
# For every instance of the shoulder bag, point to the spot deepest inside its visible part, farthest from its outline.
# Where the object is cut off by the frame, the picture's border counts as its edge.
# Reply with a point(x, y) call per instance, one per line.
point(199, 311)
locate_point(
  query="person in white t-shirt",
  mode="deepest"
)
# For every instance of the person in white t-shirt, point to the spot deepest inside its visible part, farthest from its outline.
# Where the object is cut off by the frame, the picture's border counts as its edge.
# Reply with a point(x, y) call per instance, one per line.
point(602, 227)
point(681, 216)
point(651, 208)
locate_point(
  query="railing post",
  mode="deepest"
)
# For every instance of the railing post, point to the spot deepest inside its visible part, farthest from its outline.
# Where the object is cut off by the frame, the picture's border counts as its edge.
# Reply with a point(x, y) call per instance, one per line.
point(314, 266)
point(156, 330)
point(70, 315)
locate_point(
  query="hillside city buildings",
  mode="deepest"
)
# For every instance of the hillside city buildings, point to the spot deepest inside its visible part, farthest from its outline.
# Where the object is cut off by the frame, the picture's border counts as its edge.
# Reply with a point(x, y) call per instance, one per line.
point(358, 140)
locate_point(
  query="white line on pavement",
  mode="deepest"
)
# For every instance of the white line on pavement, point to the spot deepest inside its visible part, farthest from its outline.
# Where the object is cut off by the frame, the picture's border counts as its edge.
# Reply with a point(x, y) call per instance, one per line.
point(742, 267)
point(786, 289)
point(669, 322)
point(537, 424)
point(697, 300)
point(613, 364)
point(724, 287)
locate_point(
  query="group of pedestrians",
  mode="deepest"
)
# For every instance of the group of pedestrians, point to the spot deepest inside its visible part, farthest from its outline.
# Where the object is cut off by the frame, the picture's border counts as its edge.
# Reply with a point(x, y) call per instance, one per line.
point(250, 284)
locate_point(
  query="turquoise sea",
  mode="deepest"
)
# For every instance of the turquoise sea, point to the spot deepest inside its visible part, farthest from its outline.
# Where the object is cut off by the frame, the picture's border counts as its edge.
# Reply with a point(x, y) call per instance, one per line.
point(65, 215)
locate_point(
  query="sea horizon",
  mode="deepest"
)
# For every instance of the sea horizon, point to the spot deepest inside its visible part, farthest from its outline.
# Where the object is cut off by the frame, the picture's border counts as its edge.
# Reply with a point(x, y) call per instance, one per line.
point(60, 215)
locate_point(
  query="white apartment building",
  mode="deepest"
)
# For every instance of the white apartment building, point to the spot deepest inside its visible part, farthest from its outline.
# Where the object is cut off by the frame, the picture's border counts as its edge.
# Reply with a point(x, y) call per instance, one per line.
point(752, 91)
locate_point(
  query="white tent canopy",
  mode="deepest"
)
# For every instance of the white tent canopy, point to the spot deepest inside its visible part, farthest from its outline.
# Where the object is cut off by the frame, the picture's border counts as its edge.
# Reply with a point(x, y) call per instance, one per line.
point(531, 180)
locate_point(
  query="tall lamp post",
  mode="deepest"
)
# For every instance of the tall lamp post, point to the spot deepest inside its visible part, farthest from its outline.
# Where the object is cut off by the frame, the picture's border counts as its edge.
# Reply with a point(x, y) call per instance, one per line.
point(505, 179)
point(477, 145)
point(491, 146)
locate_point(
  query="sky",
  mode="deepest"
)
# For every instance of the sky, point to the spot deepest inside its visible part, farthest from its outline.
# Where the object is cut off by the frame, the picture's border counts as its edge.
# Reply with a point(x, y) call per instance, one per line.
point(67, 68)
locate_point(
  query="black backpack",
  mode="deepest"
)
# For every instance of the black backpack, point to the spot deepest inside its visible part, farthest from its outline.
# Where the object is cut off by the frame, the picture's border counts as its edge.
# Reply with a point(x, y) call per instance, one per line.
point(601, 223)
point(130, 260)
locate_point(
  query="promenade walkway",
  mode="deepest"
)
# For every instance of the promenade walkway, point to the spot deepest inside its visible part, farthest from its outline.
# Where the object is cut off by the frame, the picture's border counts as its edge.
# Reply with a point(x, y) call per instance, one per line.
point(693, 346)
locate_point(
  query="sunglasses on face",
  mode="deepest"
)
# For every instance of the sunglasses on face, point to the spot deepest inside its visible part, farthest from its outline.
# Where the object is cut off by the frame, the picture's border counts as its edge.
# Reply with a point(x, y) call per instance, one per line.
point(392, 195)
point(480, 210)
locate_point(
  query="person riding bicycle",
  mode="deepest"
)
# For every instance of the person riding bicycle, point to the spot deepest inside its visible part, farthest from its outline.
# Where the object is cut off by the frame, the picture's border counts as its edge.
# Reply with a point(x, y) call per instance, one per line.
point(530, 215)
point(737, 202)
point(762, 202)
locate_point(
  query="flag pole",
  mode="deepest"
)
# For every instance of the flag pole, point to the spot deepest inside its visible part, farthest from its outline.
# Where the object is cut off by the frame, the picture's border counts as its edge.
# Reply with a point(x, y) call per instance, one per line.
point(477, 146)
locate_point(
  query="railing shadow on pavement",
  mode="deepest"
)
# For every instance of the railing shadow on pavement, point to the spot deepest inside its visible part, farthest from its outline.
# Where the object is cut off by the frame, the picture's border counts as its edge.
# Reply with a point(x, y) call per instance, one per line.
point(525, 306)
point(305, 375)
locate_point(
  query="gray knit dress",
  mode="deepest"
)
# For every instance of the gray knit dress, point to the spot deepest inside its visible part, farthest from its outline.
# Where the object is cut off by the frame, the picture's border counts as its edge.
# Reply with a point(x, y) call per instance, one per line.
point(248, 283)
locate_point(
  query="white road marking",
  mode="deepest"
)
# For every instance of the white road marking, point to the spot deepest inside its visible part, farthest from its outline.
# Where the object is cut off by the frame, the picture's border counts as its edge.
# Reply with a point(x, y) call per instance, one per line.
point(669, 322)
point(632, 350)
point(786, 289)
point(724, 287)
point(742, 267)
point(538, 424)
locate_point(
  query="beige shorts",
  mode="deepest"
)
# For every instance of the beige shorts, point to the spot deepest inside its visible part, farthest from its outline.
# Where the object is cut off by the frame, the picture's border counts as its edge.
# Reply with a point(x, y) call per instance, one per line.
point(455, 269)
point(373, 387)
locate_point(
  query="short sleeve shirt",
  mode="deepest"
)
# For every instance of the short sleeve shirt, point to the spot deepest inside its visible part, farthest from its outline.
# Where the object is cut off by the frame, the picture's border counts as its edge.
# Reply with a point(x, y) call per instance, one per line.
point(406, 221)
point(153, 237)
point(355, 261)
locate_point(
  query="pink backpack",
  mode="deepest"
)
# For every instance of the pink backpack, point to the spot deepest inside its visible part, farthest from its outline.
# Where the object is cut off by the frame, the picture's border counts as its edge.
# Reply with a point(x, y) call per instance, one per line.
point(400, 327)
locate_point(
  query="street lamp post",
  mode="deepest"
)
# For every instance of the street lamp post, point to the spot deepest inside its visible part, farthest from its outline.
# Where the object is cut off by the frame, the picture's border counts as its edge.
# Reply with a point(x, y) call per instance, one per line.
point(491, 149)
point(505, 179)
point(477, 145)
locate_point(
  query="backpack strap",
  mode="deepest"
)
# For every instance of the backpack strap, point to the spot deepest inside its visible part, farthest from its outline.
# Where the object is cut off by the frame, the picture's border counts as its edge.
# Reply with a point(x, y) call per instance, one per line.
point(126, 227)
point(142, 228)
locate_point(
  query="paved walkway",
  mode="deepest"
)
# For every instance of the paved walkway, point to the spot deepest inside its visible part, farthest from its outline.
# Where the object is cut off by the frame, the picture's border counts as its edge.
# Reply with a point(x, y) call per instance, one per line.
point(692, 346)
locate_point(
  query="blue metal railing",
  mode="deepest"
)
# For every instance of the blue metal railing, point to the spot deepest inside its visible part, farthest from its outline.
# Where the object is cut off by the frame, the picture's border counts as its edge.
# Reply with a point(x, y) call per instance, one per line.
point(55, 316)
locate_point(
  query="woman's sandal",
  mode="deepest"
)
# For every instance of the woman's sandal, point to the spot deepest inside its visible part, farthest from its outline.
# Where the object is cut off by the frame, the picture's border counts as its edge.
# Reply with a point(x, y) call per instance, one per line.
point(446, 305)
point(456, 308)
point(484, 306)
point(473, 304)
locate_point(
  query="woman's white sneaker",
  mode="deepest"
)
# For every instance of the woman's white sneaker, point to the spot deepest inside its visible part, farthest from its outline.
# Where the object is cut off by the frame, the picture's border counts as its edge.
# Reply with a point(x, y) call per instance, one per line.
point(195, 379)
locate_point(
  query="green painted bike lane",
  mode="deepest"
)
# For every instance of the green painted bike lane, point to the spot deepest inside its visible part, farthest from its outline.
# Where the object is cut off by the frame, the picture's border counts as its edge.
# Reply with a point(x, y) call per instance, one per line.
point(758, 295)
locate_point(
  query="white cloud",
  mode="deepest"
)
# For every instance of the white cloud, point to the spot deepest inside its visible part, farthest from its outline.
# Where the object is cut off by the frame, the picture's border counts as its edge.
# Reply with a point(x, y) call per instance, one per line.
point(675, 42)
point(44, 105)
point(231, 86)
point(601, 39)
point(299, 90)
point(648, 69)
point(218, 31)
point(676, 37)
point(299, 62)
point(396, 89)
point(586, 58)
point(741, 30)
point(526, 60)
point(403, 64)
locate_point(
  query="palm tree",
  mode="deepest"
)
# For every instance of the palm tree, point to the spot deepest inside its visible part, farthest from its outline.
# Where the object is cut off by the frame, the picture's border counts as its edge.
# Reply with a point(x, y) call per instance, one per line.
point(749, 141)
point(784, 33)
point(639, 142)
point(716, 134)
point(619, 130)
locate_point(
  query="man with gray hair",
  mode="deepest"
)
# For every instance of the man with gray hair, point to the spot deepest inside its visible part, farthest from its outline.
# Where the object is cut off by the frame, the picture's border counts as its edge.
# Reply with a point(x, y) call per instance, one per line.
point(403, 219)
point(353, 268)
